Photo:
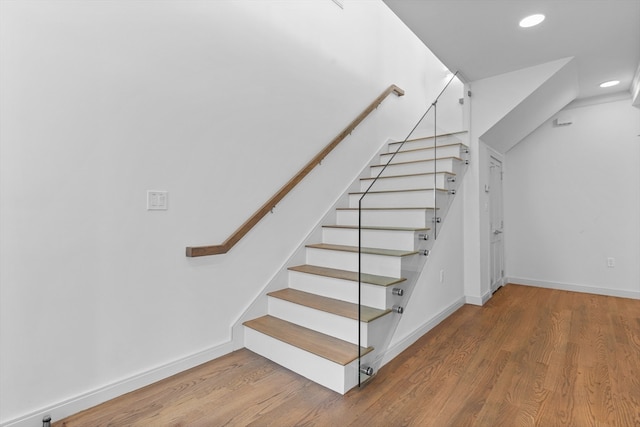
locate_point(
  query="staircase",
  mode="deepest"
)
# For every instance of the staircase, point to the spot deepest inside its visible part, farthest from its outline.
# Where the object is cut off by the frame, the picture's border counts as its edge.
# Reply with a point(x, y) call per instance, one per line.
point(313, 326)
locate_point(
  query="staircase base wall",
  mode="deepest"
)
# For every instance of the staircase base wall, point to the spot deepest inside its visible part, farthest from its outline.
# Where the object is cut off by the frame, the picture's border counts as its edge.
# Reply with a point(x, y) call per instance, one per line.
point(414, 336)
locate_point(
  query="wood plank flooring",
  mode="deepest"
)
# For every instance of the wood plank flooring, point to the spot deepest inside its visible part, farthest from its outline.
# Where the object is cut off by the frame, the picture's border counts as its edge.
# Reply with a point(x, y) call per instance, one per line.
point(529, 357)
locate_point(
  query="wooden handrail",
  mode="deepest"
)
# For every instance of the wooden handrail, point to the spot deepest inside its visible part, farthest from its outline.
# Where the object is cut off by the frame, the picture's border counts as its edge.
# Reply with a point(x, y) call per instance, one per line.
point(196, 251)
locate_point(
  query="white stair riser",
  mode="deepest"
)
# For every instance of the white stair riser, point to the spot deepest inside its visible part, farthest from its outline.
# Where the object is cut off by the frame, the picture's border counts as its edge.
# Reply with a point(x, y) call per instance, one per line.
point(441, 165)
point(320, 321)
point(401, 240)
point(346, 290)
point(406, 199)
point(422, 154)
point(318, 369)
point(392, 217)
point(407, 182)
point(372, 264)
point(417, 144)
point(346, 329)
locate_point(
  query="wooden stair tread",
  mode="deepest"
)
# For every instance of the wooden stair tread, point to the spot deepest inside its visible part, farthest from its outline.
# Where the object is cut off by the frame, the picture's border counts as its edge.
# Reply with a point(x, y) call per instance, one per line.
point(410, 208)
point(329, 305)
point(325, 346)
point(417, 161)
point(442, 135)
point(371, 279)
point(423, 148)
point(408, 175)
point(355, 227)
point(373, 251)
point(398, 191)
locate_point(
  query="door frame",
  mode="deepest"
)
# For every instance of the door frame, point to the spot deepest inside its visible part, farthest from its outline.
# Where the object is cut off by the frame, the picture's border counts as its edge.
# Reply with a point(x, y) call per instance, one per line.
point(495, 192)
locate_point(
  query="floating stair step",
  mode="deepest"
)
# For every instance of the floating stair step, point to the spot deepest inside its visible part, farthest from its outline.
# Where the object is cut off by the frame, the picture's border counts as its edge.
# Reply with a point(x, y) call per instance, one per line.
point(381, 228)
point(330, 316)
point(390, 216)
point(380, 199)
point(374, 290)
point(326, 360)
point(401, 238)
point(373, 251)
point(445, 164)
point(407, 182)
point(371, 279)
point(425, 142)
point(329, 305)
point(325, 346)
point(384, 262)
point(453, 145)
point(426, 153)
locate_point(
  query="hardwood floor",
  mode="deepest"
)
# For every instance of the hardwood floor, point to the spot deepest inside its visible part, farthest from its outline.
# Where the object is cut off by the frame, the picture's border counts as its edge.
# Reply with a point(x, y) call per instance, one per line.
point(529, 357)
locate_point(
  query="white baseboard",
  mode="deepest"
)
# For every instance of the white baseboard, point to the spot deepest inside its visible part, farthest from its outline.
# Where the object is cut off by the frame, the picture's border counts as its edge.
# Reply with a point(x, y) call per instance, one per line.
point(623, 293)
point(414, 336)
point(481, 300)
point(95, 397)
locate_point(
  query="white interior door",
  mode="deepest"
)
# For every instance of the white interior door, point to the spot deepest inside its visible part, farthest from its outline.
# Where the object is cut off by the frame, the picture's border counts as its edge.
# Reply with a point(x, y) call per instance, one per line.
point(496, 224)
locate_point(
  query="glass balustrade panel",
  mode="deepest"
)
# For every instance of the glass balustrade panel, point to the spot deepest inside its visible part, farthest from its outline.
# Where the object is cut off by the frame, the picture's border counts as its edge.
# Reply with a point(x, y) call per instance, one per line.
point(401, 208)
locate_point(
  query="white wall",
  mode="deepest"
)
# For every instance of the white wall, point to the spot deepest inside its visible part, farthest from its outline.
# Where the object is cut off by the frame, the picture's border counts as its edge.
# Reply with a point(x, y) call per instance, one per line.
point(217, 102)
point(572, 199)
point(555, 93)
point(504, 109)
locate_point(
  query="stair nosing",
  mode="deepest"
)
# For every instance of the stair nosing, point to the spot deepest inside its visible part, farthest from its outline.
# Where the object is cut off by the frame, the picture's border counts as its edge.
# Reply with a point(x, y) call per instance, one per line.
point(418, 161)
point(431, 137)
point(407, 175)
point(370, 251)
point(425, 208)
point(352, 276)
point(398, 191)
point(329, 305)
point(380, 228)
point(424, 148)
point(301, 338)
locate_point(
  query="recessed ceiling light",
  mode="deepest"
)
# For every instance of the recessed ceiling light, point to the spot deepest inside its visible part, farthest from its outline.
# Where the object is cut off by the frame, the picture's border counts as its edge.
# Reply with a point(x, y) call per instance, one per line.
point(532, 20)
point(610, 83)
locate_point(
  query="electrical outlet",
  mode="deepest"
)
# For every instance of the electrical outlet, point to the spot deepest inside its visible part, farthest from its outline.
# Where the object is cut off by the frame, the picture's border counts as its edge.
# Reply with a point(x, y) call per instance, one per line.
point(611, 262)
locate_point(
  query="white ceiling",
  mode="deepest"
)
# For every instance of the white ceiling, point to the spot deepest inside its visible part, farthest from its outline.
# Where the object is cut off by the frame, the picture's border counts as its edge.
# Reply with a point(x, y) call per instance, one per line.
point(481, 38)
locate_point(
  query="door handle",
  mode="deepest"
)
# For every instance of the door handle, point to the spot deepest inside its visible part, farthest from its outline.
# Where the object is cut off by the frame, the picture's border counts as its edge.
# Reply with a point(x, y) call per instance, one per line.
point(497, 231)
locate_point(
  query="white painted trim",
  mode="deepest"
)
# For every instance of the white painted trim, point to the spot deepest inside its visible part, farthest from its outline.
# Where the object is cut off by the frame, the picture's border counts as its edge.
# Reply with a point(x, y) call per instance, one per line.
point(469, 299)
point(100, 395)
point(634, 89)
point(622, 293)
point(404, 343)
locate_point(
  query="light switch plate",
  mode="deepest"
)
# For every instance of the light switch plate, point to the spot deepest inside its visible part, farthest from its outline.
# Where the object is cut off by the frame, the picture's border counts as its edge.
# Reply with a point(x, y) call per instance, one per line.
point(157, 200)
